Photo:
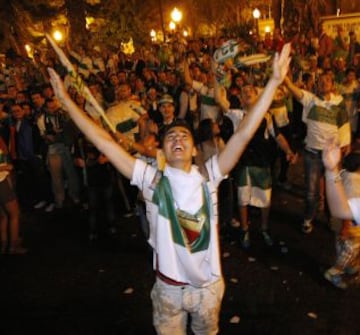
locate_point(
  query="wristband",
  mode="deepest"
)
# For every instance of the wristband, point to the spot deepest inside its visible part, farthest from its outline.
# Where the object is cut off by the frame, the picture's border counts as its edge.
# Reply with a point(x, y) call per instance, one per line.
point(334, 177)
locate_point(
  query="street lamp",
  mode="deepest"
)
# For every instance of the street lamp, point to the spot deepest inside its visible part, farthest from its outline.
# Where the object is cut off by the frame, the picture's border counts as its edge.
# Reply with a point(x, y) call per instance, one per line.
point(153, 35)
point(58, 36)
point(176, 15)
point(256, 15)
point(172, 25)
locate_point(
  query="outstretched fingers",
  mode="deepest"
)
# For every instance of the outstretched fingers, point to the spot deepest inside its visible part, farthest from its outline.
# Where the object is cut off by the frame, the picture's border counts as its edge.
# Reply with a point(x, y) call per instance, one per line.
point(57, 84)
point(282, 62)
point(52, 73)
point(285, 54)
point(331, 154)
point(54, 79)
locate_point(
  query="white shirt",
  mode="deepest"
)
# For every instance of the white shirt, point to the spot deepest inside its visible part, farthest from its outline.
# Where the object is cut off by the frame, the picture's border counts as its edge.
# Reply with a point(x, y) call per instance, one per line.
point(174, 260)
point(354, 204)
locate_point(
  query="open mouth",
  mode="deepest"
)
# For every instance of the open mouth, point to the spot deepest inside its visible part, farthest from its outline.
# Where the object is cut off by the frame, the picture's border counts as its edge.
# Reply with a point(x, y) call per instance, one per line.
point(178, 148)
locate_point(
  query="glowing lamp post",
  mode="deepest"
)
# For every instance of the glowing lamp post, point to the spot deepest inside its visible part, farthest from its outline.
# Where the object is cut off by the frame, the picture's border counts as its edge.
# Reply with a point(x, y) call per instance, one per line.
point(176, 15)
point(256, 15)
point(58, 36)
point(172, 26)
point(153, 35)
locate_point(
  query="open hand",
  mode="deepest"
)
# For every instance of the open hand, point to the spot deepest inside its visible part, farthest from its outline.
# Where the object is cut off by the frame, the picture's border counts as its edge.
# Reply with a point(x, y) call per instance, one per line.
point(281, 63)
point(331, 154)
point(58, 86)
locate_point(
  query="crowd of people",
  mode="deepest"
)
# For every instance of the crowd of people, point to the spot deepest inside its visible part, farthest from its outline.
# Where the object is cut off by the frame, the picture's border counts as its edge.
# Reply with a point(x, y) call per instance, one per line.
point(173, 106)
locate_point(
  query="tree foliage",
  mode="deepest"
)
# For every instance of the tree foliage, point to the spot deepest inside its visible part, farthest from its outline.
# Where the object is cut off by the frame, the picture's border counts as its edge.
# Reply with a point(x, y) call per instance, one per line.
point(25, 21)
point(125, 19)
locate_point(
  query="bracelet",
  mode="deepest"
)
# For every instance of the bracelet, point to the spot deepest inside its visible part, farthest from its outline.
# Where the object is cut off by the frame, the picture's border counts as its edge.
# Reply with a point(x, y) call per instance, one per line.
point(335, 178)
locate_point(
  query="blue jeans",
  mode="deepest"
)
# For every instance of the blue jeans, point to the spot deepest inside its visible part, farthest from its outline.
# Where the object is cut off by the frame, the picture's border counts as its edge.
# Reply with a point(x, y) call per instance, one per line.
point(59, 160)
point(314, 171)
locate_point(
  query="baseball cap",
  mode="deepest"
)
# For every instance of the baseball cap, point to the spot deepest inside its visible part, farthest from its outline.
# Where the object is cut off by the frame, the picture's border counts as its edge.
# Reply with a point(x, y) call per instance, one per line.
point(166, 98)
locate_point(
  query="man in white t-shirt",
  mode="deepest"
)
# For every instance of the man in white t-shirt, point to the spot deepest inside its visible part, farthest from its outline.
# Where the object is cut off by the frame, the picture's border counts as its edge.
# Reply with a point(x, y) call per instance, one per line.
point(325, 117)
point(181, 209)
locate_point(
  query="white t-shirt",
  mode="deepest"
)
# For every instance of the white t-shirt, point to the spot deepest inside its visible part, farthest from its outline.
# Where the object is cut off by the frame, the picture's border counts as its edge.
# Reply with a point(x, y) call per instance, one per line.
point(173, 259)
point(354, 204)
point(325, 119)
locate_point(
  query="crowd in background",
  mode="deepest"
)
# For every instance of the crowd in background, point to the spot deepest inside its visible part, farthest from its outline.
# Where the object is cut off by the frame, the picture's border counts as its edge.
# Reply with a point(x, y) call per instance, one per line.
point(49, 165)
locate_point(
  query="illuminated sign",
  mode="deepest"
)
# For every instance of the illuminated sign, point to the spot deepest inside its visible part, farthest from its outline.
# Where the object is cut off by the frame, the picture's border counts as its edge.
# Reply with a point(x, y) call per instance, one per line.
point(349, 22)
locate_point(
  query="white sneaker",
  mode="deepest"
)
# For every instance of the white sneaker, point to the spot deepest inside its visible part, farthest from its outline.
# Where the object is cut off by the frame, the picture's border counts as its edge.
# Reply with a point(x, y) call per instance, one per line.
point(307, 227)
point(49, 208)
point(40, 204)
point(334, 276)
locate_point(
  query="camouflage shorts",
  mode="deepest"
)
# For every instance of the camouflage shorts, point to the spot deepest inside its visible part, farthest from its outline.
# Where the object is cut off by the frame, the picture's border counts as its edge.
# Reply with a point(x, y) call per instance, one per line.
point(171, 305)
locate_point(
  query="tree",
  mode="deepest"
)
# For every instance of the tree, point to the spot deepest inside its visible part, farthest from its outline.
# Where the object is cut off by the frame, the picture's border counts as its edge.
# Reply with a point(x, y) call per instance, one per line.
point(75, 13)
point(122, 20)
point(24, 22)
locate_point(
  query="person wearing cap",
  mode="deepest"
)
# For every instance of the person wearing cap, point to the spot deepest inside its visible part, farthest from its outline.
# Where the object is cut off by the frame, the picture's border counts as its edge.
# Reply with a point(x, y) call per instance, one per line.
point(167, 111)
point(182, 210)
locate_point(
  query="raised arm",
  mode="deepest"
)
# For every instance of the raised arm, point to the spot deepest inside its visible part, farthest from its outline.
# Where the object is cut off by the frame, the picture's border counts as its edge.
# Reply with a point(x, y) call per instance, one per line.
point(296, 91)
point(121, 160)
point(335, 192)
point(220, 97)
point(187, 75)
point(183, 105)
point(238, 142)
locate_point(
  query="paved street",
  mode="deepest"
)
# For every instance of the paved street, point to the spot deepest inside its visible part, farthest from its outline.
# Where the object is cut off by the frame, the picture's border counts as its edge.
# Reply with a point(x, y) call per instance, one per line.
point(65, 286)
